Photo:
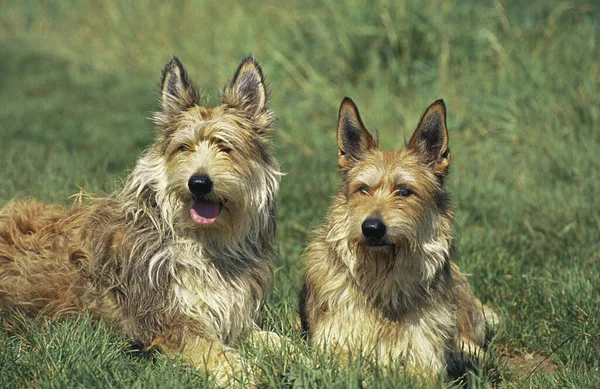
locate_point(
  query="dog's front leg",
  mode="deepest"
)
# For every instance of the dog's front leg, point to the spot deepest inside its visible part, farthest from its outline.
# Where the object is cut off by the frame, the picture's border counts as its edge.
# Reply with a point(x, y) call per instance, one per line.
point(472, 317)
point(224, 364)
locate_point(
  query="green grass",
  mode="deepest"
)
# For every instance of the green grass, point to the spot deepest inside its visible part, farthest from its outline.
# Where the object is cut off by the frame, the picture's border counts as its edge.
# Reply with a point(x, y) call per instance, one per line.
point(521, 81)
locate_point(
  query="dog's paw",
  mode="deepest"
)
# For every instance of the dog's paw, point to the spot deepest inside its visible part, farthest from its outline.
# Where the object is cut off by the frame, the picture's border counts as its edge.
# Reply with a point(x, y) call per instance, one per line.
point(230, 369)
point(276, 344)
point(490, 316)
point(266, 340)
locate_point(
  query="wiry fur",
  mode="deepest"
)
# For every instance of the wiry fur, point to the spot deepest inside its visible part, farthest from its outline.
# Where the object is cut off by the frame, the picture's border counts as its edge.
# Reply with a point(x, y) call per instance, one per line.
point(136, 257)
point(399, 299)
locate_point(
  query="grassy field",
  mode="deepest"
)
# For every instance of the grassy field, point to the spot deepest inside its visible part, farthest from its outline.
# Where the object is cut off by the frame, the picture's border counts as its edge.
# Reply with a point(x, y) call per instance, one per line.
point(521, 80)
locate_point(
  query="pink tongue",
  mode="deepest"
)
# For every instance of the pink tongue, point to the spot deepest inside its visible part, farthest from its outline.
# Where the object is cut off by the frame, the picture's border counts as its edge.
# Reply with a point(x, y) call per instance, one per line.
point(204, 212)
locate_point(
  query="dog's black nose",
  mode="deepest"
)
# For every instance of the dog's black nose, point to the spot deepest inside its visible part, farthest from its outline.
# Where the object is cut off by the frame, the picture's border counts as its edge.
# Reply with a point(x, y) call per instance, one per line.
point(200, 185)
point(373, 229)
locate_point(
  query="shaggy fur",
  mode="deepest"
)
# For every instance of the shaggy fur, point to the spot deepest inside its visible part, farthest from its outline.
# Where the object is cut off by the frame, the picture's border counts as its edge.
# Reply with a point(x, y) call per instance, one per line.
point(184, 272)
point(378, 275)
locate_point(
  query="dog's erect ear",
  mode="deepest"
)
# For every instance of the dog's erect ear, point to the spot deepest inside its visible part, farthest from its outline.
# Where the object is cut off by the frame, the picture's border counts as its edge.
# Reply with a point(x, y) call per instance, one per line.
point(177, 92)
point(430, 139)
point(353, 138)
point(247, 90)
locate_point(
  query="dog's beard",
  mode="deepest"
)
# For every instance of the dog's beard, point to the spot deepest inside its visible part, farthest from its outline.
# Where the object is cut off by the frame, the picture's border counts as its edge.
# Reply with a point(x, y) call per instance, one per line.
point(388, 275)
point(378, 265)
point(372, 263)
point(380, 260)
point(383, 257)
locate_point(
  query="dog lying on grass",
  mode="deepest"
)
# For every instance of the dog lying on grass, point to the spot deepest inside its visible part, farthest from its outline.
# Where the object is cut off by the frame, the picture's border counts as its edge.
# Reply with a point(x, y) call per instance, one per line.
point(379, 280)
point(177, 258)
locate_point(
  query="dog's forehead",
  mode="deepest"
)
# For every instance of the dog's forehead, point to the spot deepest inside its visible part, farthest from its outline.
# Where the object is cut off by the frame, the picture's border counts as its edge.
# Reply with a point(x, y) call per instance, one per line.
point(201, 123)
point(398, 166)
point(403, 161)
point(200, 113)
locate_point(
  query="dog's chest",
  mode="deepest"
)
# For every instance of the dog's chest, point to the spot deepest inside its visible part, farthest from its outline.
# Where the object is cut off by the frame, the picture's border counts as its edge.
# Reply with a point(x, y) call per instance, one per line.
point(420, 339)
point(224, 307)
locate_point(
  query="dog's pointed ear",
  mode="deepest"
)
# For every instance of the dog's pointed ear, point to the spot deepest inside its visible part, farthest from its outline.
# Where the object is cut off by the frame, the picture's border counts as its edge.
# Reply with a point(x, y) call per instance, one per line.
point(177, 92)
point(353, 138)
point(430, 139)
point(247, 90)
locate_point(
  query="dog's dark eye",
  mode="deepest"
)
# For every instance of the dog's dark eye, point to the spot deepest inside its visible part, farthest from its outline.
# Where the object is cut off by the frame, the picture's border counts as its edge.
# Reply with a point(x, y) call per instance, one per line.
point(184, 147)
point(403, 191)
point(223, 147)
point(364, 189)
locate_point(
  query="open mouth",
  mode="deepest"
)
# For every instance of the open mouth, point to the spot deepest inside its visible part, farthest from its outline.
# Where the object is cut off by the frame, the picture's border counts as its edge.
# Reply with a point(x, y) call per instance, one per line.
point(205, 211)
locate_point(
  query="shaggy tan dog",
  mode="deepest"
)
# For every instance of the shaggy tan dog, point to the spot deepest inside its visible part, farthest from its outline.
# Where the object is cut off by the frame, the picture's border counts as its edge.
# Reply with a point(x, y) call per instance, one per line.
point(177, 258)
point(379, 280)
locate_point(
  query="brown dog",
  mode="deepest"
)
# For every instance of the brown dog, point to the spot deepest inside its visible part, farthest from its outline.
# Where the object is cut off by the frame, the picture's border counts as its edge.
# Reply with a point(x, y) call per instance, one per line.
point(177, 258)
point(379, 280)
